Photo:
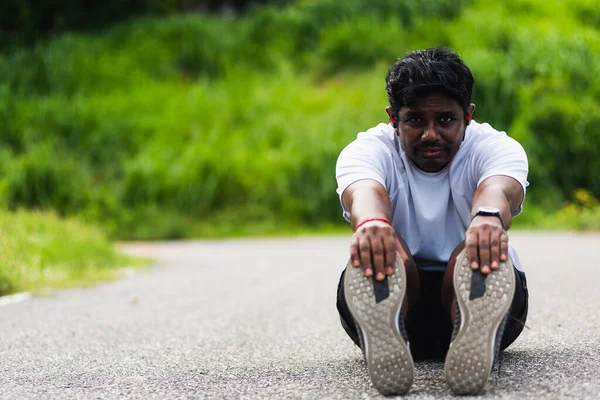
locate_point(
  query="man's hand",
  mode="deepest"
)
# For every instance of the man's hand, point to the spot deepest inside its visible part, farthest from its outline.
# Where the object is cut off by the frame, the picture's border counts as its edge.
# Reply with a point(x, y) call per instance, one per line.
point(373, 247)
point(486, 243)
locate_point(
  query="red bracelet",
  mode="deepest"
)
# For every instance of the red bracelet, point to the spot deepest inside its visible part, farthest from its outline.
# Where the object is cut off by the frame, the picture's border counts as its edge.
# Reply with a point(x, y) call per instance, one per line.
point(387, 221)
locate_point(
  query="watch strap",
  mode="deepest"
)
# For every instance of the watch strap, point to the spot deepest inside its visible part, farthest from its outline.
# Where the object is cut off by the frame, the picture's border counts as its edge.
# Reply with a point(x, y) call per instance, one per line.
point(489, 214)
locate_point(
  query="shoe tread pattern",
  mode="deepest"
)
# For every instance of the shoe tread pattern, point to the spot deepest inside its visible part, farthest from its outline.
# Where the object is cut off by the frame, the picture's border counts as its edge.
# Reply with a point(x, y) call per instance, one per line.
point(386, 352)
point(471, 354)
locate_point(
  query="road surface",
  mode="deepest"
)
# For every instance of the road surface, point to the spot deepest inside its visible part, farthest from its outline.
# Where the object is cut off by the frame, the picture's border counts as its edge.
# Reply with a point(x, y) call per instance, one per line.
point(256, 319)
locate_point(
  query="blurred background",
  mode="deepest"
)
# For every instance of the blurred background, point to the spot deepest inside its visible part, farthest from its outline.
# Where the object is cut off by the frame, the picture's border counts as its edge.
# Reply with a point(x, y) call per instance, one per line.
point(152, 119)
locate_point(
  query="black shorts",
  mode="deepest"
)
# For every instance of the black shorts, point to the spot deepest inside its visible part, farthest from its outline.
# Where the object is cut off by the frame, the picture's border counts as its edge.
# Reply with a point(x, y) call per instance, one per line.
point(428, 325)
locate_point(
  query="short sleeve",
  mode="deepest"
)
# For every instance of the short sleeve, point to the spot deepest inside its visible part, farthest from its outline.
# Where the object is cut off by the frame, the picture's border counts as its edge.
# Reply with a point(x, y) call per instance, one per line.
point(362, 159)
point(500, 154)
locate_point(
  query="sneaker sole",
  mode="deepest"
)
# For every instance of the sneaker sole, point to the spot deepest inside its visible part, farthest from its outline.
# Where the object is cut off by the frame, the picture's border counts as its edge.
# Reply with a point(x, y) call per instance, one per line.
point(471, 354)
point(386, 353)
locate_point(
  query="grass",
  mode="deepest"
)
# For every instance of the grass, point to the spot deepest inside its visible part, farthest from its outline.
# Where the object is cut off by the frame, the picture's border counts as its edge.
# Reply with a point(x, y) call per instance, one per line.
point(581, 213)
point(40, 251)
point(574, 216)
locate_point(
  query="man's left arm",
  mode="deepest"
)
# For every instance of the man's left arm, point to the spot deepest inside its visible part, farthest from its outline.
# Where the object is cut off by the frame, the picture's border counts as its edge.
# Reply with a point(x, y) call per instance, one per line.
point(486, 239)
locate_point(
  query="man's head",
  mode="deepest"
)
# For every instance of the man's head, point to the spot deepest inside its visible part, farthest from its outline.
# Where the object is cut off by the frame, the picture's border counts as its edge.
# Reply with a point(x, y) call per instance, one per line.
point(430, 101)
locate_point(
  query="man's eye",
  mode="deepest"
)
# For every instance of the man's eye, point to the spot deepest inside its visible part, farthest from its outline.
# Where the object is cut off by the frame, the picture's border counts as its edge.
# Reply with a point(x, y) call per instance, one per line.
point(412, 120)
point(446, 120)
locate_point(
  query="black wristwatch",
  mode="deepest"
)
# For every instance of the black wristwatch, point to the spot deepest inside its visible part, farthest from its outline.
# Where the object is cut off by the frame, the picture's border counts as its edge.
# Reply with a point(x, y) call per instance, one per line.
point(489, 212)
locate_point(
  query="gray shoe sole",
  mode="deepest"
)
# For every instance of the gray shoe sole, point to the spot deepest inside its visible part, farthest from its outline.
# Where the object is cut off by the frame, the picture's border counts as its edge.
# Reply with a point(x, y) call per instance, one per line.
point(471, 354)
point(387, 355)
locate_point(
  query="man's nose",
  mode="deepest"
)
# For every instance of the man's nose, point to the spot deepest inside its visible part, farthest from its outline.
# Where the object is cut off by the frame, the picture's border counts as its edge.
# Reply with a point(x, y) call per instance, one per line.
point(429, 133)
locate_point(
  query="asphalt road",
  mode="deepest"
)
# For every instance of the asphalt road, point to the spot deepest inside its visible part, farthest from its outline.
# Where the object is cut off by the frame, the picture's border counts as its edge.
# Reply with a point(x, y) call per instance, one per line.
point(257, 319)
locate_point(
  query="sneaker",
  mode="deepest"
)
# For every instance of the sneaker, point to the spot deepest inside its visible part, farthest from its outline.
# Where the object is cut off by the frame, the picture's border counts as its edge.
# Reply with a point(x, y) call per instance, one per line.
point(483, 305)
point(376, 308)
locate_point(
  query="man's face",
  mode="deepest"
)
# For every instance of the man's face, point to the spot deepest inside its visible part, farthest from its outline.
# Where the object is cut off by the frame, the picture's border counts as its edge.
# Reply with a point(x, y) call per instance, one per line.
point(431, 130)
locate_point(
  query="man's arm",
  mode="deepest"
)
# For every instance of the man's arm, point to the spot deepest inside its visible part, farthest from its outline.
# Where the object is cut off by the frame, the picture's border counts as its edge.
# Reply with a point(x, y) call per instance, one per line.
point(486, 240)
point(365, 199)
point(374, 245)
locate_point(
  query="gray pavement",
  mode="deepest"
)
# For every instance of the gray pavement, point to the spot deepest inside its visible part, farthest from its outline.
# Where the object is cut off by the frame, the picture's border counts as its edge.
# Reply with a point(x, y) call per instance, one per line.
point(256, 319)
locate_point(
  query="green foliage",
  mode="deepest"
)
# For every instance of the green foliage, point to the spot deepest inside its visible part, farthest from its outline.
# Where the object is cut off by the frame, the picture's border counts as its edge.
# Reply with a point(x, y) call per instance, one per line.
point(26, 22)
point(565, 143)
point(38, 179)
point(40, 250)
point(581, 213)
point(185, 125)
point(173, 48)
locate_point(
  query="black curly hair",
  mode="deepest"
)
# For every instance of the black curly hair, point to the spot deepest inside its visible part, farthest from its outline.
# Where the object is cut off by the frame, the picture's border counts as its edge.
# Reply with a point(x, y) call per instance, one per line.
point(421, 72)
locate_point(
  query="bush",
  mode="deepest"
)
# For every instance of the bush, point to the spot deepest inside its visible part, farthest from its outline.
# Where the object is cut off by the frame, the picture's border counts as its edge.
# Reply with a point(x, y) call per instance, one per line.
point(43, 178)
point(167, 127)
point(561, 136)
point(26, 22)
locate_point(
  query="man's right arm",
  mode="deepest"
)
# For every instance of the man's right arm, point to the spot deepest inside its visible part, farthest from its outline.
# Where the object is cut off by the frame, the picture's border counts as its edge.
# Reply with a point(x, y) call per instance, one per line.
point(373, 246)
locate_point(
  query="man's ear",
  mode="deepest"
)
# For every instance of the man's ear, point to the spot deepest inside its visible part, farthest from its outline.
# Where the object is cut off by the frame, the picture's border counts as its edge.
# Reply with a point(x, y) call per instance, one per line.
point(468, 119)
point(393, 117)
point(470, 112)
point(389, 111)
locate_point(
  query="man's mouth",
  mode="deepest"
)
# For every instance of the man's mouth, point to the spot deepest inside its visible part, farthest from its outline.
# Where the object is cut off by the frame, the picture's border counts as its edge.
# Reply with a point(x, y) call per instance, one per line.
point(432, 151)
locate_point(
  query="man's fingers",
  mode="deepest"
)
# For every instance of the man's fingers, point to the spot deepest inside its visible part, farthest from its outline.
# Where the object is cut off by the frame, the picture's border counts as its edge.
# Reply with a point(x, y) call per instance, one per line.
point(378, 256)
point(472, 246)
point(364, 247)
point(495, 250)
point(484, 251)
point(504, 246)
point(354, 253)
point(390, 254)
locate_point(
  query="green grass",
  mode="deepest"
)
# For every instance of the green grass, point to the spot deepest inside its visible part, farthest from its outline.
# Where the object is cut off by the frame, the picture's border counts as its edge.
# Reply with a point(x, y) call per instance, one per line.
point(40, 251)
point(581, 213)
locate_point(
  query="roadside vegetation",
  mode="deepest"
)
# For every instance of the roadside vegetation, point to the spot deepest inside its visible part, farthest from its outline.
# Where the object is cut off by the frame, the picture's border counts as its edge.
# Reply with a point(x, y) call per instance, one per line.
point(39, 251)
point(197, 125)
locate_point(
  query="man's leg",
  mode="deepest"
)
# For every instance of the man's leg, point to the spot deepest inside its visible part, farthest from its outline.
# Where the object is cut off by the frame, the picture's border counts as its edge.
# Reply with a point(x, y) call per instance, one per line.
point(448, 295)
point(428, 326)
point(518, 311)
point(484, 307)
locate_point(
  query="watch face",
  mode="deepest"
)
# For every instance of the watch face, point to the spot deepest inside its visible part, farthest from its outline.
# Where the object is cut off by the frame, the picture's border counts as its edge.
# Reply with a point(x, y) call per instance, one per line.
point(488, 210)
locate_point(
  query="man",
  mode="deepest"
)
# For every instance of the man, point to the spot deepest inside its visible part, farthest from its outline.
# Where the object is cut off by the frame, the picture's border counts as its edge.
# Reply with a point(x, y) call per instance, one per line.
point(430, 197)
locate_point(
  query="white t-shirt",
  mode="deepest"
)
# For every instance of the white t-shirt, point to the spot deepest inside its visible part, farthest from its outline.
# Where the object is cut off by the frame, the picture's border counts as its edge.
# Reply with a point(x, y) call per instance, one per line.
point(432, 211)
